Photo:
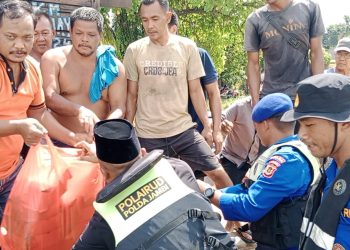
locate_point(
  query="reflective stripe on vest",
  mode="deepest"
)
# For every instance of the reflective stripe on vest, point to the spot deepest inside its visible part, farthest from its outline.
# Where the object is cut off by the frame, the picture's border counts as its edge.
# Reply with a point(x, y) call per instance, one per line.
point(259, 165)
point(319, 237)
point(157, 189)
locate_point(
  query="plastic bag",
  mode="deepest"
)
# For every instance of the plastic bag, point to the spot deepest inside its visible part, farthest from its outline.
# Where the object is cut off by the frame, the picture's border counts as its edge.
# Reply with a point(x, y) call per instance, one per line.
point(51, 200)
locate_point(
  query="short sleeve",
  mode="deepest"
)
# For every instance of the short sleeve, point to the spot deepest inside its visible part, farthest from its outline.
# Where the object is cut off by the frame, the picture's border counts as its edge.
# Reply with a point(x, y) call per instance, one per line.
point(130, 65)
point(316, 24)
point(211, 75)
point(251, 36)
point(194, 67)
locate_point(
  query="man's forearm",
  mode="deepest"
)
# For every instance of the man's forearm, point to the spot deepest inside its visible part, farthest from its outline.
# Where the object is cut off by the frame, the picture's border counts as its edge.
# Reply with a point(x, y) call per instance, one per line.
point(130, 108)
point(215, 107)
point(253, 81)
point(198, 101)
point(317, 63)
point(62, 105)
point(55, 129)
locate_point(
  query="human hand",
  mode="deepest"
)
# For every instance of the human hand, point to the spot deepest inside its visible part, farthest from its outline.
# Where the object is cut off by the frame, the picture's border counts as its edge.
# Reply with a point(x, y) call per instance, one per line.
point(226, 126)
point(31, 130)
point(88, 151)
point(87, 119)
point(202, 185)
point(207, 134)
point(218, 139)
point(78, 137)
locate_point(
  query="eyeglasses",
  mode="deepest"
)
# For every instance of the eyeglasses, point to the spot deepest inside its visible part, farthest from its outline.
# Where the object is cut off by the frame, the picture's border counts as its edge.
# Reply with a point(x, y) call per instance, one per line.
point(346, 55)
point(44, 34)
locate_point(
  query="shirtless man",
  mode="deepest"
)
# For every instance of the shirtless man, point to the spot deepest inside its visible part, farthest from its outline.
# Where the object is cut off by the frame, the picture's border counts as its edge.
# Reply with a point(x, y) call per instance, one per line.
point(67, 72)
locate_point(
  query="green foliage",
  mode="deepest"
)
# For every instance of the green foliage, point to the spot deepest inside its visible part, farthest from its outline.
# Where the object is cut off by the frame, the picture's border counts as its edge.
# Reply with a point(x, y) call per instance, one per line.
point(217, 26)
point(336, 32)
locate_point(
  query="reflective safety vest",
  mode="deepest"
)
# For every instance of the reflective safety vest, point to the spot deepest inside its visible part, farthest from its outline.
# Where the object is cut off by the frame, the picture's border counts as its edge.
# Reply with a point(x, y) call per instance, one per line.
point(259, 165)
point(149, 207)
point(280, 227)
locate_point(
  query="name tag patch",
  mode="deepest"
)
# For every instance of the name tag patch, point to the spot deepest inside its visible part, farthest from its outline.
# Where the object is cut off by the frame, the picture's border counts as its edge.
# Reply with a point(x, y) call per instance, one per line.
point(142, 197)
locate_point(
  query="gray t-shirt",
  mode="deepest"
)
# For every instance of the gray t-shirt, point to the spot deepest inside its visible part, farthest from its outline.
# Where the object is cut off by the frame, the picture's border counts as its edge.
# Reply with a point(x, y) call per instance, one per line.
point(284, 65)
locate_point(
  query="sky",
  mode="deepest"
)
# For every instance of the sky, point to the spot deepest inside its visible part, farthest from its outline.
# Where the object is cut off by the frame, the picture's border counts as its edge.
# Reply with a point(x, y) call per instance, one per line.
point(333, 11)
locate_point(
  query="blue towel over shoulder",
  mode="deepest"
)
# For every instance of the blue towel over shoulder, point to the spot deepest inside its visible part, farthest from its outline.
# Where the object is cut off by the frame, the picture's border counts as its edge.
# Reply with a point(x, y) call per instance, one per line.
point(106, 71)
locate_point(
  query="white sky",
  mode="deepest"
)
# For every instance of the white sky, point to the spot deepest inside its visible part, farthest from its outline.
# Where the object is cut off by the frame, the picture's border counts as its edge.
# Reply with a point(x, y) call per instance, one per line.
point(333, 11)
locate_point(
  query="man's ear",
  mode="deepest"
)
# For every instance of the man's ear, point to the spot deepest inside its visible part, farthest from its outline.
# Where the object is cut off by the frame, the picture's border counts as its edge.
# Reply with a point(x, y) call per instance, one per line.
point(168, 16)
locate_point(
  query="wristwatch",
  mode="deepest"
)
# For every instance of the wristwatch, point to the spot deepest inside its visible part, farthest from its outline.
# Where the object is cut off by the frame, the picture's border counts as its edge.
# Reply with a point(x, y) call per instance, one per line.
point(209, 192)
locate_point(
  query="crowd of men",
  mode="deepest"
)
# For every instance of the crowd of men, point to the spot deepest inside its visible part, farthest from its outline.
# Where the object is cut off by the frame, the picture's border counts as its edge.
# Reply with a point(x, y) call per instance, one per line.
point(83, 96)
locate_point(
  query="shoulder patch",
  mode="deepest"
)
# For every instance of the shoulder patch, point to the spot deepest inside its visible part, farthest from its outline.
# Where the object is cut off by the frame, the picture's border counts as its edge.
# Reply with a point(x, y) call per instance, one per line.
point(269, 170)
point(278, 158)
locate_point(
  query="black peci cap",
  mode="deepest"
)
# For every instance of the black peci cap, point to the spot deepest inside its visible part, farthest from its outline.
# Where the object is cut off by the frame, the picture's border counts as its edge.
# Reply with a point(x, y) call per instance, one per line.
point(116, 141)
point(325, 96)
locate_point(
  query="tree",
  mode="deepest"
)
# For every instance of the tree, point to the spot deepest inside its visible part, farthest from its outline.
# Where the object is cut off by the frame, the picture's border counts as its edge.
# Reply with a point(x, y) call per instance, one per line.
point(217, 26)
point(336, 32)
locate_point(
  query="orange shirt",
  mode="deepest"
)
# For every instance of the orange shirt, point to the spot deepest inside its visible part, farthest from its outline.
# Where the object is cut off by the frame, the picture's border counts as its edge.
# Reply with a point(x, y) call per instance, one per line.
point(14, 106)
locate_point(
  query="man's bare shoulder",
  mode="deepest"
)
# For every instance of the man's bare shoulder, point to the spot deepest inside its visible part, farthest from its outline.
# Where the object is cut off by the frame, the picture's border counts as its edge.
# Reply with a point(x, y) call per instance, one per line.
point(57, 54)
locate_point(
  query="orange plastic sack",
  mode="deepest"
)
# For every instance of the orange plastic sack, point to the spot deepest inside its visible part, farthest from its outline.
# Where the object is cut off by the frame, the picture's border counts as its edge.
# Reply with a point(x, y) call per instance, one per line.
point(51, 200)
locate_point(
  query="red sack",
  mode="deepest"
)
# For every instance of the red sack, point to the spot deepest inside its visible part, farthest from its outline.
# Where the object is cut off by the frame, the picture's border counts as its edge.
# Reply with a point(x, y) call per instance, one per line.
point(51, 200)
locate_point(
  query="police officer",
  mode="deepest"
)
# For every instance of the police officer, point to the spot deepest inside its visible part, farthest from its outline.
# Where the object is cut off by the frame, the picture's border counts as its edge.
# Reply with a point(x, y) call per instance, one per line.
point(323, 110)
point(274, 195)
point(144, 200)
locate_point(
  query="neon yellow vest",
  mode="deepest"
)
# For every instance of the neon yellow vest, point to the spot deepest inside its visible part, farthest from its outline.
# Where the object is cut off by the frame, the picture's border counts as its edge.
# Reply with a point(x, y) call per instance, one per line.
point(156, 190)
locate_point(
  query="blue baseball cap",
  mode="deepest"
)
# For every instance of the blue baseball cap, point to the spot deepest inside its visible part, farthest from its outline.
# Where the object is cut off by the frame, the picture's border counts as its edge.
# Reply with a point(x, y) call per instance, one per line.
point(272, 105)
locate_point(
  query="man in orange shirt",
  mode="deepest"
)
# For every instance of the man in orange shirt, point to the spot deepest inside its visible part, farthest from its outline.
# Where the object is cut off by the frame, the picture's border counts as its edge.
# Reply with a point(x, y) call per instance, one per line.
point(23, 114)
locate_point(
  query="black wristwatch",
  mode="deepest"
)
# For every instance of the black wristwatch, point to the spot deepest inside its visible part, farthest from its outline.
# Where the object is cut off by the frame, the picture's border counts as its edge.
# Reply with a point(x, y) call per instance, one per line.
point(209, 193)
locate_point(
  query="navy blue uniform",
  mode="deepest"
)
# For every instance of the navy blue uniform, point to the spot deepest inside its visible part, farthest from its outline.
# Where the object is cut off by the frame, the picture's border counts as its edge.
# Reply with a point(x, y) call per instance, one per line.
point(287, 174)
point(211, 75)
point(342, 237)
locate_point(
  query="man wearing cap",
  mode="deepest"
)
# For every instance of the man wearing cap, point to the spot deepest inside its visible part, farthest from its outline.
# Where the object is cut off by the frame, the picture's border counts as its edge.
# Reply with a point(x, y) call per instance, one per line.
point(323, 109)
point(342, 57)
point(121, 159)
point(274, 195)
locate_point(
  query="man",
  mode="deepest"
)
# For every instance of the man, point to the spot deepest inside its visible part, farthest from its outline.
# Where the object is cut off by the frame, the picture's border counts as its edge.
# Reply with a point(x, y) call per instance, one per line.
point(274, 194)
point(342, 57)
point(83, 84)
point(323, 110)
point(43, 36)
point(296, 27)
point(142, 196)
point(240, 147)
point(23, 114)
point(210, 85)
point(160, 79)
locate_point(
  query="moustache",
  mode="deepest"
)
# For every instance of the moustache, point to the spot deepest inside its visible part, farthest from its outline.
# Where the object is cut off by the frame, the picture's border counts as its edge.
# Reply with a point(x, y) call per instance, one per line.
point(86, 46)
point(18, 52)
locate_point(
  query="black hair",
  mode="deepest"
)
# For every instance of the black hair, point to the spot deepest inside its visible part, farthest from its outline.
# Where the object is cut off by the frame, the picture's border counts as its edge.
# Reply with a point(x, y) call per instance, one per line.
point(174, 19)
point(14, 9)
point(87, 14)
point(39, 14)
point(163, 3)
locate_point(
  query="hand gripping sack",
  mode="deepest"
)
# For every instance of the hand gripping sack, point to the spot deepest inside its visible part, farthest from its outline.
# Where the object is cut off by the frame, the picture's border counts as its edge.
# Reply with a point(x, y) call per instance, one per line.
point(51, 200)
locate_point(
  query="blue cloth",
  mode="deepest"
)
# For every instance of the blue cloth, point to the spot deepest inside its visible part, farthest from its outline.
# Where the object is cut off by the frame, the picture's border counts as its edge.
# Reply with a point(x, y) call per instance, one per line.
point(290, 179)
point(271, 105)
point(211, 75)
point(106, 71)
point(343, 230)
